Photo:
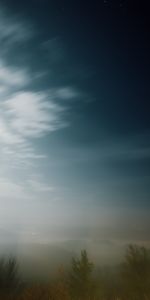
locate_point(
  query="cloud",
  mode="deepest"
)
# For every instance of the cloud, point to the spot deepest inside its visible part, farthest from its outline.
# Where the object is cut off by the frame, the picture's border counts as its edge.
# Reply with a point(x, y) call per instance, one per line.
point(38, 186)
point(12, 30)
point(24, 190)
point(7, 136)
point(9, 189)
point(31, 114)
point(26, 115)
point(12, 77)
point(127, 149)
point(66, 93)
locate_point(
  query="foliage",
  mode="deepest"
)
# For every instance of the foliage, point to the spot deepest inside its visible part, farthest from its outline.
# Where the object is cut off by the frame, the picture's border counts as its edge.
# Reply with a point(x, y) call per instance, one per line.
point(9, 276)
point(36, 292)
point(80, 281)
point(129, 281)
point(136, 272)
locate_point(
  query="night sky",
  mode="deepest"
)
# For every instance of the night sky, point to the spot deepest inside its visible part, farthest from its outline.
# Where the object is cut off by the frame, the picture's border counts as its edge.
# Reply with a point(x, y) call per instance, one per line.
point(74, 118)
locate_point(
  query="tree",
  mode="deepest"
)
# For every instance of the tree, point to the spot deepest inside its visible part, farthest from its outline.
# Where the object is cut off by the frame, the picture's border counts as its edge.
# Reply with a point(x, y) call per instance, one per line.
point(136, 272)
point(80, 281)
point(9, 277)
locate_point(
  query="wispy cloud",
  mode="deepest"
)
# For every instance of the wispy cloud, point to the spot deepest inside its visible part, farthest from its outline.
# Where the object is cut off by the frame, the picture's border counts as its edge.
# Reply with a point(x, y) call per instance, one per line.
point(12, 77)
point(12, 30)
point(31, 114)
point(38, 186)
point(26, 115)
point(66, 93)
point(10, 189)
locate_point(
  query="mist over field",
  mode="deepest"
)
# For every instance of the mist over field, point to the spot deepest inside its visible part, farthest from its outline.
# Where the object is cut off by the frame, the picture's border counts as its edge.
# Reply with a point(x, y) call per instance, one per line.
point(40, 254)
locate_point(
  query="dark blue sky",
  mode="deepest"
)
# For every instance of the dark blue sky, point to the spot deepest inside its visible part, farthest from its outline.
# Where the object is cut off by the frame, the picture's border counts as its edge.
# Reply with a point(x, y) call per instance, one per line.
point(74, 84)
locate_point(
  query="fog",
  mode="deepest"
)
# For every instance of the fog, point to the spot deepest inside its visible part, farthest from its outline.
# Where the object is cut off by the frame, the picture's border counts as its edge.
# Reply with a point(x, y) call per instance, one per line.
point(41, 252)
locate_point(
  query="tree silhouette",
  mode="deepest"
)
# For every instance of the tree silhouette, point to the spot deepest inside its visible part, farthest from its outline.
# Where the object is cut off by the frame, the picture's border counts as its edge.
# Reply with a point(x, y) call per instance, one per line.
point(9, 277)
point(80, 281)
point(136, 272)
